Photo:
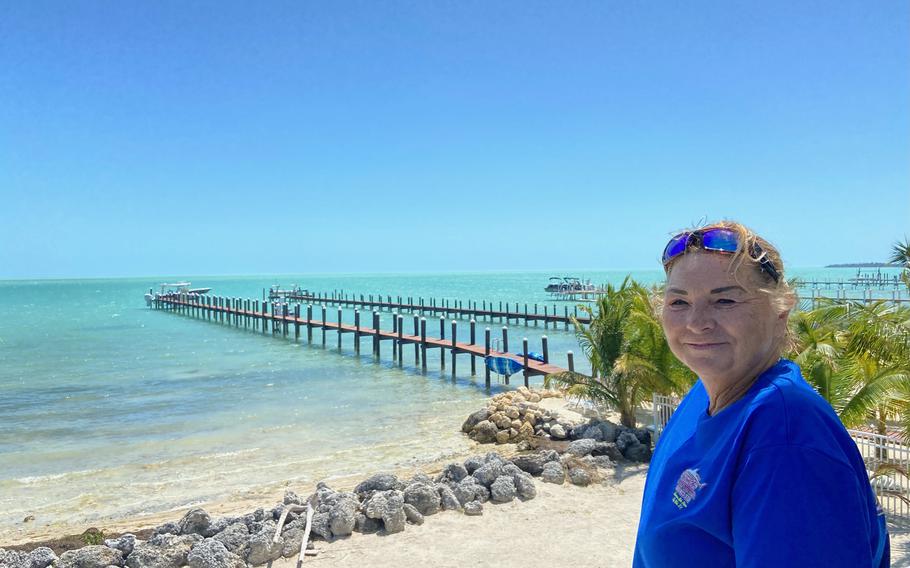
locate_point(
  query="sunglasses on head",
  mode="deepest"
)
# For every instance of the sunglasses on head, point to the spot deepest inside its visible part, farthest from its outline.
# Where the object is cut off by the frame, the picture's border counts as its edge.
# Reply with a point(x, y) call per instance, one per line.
point(716, 240)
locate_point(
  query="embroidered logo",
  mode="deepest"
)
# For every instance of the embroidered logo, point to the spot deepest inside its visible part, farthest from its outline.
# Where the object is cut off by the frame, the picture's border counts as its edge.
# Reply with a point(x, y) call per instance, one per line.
point(686, 488)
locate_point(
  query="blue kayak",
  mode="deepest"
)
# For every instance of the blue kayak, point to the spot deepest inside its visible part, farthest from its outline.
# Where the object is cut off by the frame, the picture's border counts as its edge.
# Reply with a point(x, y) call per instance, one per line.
point(503, 365)
point(533, 355)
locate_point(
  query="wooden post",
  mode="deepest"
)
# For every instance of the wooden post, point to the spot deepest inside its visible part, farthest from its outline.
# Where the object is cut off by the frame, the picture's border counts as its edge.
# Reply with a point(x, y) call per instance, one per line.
point(323, 324)
point(416, 345)
point(357, 331)
point(442, 335)
point(571, 357)
point(423, 344)
point(376, 347)
point(508, 321)
point(566, 315)
point(486, 353)
point(473, 338)
point(400, 344)
point(395, 331)
point(309, 323)
point(296, 321)
point(535, 313)
point(505, 339)
point(339, 329)
point(546, 349)
point(526, 371)
point(546, 322)
point(284, 317)
point(454, 340)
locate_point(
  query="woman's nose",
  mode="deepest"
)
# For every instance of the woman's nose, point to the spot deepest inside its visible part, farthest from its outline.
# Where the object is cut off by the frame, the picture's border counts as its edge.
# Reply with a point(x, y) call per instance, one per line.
point(699, 319)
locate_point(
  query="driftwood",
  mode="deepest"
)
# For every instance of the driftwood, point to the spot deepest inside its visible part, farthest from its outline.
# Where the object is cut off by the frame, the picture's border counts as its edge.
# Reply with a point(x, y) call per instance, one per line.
point(306, 531)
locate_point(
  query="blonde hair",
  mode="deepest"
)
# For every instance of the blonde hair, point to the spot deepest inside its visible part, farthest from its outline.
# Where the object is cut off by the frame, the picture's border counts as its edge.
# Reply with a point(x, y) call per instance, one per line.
point(781, 293)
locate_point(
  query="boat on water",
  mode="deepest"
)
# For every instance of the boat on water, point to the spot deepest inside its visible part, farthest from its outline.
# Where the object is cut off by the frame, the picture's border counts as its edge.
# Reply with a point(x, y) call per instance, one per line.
point(167, 289)
point(564, 284)
point(296, 292)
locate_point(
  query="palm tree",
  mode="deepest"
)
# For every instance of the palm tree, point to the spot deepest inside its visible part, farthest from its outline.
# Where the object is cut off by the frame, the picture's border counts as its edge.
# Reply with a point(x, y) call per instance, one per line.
point(900, 254)
point(629, 356)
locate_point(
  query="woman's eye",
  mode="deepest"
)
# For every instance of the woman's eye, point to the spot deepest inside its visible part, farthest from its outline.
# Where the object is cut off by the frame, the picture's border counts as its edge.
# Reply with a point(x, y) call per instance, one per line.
point(677, 302)
point(726, 302)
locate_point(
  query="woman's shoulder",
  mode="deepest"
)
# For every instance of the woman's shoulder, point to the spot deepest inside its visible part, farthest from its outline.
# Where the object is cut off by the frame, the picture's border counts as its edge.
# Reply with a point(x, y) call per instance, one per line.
point(787, 411)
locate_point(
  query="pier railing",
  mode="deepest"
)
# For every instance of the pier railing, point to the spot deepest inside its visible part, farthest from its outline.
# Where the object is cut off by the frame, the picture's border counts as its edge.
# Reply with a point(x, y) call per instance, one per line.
point(281, 318)
point(887, 459)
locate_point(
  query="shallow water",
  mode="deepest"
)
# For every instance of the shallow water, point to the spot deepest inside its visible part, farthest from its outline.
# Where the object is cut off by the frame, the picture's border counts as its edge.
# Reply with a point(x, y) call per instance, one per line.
point(109, 409)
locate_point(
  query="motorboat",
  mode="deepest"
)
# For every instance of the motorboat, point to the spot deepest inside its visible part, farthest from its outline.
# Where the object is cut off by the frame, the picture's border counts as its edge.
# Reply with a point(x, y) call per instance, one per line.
point(169, 289)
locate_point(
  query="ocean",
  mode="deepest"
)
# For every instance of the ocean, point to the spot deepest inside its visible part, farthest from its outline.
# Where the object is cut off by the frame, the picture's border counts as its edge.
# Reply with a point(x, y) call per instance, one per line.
point(109, 409)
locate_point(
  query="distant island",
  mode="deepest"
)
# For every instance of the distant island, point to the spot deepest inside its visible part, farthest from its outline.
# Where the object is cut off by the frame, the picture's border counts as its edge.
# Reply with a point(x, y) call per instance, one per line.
point(864, 265)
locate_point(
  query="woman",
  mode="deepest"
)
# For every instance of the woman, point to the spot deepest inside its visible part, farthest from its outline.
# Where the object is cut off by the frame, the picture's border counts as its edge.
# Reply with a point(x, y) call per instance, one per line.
point(754, 468)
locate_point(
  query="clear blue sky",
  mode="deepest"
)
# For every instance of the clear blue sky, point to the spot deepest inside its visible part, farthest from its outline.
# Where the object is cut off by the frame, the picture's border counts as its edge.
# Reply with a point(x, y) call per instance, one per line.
point(146, 138)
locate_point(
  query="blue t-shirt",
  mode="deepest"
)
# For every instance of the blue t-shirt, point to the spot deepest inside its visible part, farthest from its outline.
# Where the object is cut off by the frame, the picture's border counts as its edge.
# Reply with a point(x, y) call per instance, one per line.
point(773, 480)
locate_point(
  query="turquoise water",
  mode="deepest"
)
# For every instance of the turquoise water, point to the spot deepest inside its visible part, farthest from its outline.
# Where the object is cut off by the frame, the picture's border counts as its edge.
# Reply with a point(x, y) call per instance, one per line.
point(109, 409)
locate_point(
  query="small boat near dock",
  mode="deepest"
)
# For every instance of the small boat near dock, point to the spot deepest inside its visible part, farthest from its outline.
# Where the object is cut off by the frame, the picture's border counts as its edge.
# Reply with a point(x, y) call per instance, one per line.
point(174, 288)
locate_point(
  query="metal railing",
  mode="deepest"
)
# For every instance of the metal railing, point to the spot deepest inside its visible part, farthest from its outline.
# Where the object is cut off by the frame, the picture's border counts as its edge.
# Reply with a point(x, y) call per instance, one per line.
point(886, 457)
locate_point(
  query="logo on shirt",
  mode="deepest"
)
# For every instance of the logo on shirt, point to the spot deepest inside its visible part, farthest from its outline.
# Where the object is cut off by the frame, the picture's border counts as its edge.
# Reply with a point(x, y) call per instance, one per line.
point(686, 488)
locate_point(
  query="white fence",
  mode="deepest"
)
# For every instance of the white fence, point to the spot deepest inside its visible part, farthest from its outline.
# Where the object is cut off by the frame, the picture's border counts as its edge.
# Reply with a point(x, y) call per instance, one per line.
point(886, 458)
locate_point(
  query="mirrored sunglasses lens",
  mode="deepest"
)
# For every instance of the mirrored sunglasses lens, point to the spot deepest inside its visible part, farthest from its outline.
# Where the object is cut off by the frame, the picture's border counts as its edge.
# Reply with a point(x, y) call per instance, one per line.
point(675, 247)
point(723, 240)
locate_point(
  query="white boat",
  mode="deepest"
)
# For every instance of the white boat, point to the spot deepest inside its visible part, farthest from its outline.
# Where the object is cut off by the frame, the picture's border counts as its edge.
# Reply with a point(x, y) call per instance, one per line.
point(167, 289)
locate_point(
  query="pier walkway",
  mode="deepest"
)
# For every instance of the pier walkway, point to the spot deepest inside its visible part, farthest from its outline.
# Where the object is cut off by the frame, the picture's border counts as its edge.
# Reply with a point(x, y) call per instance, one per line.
point(481, 311)
point(281, 318)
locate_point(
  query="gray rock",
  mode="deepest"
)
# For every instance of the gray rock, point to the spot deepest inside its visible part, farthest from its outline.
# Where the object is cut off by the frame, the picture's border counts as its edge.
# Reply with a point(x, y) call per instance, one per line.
point(262, 549)
point(162, 551)
point(609, 431)
point(168, 528)
point(466, 490)
point(474, 419)
point(643, 435)
point(94, 556)
point(41, 557)
point(379, 482)
point(608, 449)
point(638, 452)
point(259, 515)
point(450, 501)
point(593, 433)
point(424, 497)
point(234, 537)
point(553, 472)
point(626, 439)
point(604, 462)
point(488, 473)
point(364, 524)
point(412, 514)
point(453, 472)
point(558, 432)
point(341, 518)
point(502, 490)
point(484, 432)
point(524, 486)
point(494, 457)
point(579, 476)
point(125, 543)
point(322, 525)
point(291, 498)
point(532, 464)
point(549, 455)
point(195, 521)
point(292, 540)
point(388, 506)
point(473, 463)
point(582, 447)
point(473, 509)
point(211, 553)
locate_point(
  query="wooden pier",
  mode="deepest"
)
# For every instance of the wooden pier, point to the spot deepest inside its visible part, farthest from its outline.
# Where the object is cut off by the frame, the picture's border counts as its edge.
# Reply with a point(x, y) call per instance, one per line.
point(283, 318)
point(867, 296)
point(526, 313)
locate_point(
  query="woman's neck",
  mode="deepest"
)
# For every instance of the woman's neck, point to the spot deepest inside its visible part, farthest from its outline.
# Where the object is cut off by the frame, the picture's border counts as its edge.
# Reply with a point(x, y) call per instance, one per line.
point(722, 394)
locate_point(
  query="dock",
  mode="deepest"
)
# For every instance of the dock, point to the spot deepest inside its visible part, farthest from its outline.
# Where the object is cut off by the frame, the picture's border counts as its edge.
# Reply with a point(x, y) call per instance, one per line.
point(283, 318)
point(525, 314)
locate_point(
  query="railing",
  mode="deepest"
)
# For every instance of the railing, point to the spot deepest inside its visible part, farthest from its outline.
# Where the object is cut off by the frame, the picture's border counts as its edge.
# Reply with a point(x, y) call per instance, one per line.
point(886, 457)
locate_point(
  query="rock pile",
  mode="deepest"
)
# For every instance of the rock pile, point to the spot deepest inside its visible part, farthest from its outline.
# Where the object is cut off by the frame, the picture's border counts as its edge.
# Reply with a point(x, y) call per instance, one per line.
point(511, 417)
point(515, 417)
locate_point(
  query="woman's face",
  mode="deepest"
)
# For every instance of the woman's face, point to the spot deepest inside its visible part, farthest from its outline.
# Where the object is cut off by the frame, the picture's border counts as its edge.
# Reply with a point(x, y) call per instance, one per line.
point(725, 331)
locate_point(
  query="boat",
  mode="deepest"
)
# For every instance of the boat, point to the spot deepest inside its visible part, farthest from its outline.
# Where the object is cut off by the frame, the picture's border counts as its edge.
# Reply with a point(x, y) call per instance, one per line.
point(168, 289)
point(295, 293)
point(503, 365)
point(568, 284)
